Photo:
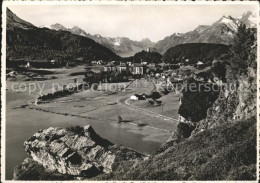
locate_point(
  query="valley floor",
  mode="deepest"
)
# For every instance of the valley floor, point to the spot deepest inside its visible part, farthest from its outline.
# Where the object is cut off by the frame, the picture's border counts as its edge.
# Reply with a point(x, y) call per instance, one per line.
point(140, 130)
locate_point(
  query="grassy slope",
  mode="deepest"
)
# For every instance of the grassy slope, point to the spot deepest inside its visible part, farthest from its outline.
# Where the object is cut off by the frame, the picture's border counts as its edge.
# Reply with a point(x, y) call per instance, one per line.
point(227, 152)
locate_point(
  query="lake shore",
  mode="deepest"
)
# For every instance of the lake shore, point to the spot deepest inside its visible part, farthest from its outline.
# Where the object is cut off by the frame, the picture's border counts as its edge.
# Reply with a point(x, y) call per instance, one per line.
point(81, 108)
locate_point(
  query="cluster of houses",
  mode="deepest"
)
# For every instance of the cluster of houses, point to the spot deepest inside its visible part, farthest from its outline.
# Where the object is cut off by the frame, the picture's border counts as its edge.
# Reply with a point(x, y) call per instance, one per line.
point(98, 62)
point(136, 68)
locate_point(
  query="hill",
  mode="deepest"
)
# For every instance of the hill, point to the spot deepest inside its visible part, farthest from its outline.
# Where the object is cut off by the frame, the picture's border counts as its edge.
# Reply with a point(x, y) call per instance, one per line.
point(14, 21)
point(194, 52)
point(25, 41)
point(149, 57)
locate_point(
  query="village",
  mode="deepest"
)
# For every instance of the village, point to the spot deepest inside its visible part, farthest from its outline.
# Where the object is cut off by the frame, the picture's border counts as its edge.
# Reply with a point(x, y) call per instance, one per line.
point(116, 78)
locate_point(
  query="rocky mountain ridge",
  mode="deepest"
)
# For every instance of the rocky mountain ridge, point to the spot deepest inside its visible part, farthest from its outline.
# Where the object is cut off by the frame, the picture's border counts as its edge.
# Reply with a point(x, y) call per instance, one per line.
point(122, 46)
point(220, 32)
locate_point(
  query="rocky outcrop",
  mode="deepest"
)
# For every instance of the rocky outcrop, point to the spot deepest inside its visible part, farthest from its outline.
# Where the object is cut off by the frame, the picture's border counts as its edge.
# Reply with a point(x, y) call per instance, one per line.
point(31, 170)
point(77, 151)
point(235, 102)
point(247, 93)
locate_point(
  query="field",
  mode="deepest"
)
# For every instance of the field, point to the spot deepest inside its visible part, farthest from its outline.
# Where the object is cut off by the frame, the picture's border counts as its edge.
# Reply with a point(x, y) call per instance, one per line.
point(139, 129)
point(107, 103)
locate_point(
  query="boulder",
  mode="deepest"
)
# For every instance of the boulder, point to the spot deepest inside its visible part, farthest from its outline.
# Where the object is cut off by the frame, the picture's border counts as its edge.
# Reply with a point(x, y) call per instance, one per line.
point(76, 151)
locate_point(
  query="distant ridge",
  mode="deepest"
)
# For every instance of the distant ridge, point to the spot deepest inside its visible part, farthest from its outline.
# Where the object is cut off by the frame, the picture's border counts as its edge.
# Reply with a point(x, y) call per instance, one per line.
point(25, 41)
point(122, 46)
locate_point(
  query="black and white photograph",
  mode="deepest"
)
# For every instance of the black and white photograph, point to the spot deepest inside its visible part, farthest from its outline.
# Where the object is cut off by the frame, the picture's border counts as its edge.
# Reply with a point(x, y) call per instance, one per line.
point(129, 91)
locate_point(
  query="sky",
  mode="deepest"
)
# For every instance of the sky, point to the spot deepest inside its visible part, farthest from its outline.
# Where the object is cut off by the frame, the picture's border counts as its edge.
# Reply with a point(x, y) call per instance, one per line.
point(133, 21)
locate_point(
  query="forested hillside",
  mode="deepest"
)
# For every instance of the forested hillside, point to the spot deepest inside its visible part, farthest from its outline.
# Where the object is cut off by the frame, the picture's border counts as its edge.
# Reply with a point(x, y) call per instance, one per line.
point(149, 57)
point(191, 53)
point(30, 42)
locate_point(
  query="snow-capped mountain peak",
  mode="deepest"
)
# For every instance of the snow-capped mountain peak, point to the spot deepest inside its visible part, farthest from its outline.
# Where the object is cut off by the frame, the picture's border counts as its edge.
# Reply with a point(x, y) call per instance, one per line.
point(249, 19)
point(230, 22)
point(225, 20)
point(58, 26)
point(117, 42)
point(247, 14)
point(222, 32)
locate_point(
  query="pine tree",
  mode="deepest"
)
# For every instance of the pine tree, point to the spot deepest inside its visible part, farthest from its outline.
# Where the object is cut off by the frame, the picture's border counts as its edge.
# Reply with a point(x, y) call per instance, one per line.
point(241, 51)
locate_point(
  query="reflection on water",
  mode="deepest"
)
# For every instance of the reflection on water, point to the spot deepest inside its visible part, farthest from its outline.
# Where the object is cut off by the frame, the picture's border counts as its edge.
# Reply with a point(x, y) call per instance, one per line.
point(23, 123)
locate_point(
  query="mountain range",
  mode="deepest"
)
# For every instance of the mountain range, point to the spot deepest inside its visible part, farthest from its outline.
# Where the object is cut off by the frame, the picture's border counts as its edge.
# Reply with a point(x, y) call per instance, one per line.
point(26, 41)
point(122, 46)
point(220, 32)
point(60, 41)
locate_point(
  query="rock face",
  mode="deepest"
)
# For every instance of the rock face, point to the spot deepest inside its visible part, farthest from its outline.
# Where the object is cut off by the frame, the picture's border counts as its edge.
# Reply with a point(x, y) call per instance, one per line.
point(233, 105)
point(76, 151)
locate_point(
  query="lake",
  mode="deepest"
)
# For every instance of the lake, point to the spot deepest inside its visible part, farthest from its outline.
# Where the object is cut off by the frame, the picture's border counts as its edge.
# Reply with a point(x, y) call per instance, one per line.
point(22, 123)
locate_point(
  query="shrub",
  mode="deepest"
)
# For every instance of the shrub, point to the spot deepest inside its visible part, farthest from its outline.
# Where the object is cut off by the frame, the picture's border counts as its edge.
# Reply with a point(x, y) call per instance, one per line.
point(77, 129)
point(242, 173)
point(185, 129)
point(219, 70)
point(196, 100)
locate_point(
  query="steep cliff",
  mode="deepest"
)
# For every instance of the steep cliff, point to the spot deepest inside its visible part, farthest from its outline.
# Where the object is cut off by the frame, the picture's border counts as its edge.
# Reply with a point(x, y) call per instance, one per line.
point(238, 95)
point(232, 105)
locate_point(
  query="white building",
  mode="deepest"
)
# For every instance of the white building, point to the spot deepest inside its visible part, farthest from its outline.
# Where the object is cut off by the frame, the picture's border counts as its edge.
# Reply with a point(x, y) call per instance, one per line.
point(138, 69)
point(28, 64)
point(134, 97)
point(200, 63)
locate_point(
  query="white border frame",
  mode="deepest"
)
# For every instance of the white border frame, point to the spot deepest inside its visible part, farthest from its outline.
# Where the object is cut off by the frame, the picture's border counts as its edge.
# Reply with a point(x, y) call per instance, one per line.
point(95, 2)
